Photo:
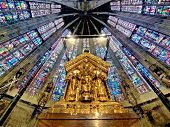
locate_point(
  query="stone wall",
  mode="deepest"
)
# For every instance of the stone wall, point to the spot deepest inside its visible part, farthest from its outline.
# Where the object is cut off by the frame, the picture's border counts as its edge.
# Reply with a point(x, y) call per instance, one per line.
point(156, 113)
point(20, 116)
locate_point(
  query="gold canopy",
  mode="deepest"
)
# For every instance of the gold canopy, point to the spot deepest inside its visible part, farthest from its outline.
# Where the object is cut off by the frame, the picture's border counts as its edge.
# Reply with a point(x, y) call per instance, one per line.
point(86, 57)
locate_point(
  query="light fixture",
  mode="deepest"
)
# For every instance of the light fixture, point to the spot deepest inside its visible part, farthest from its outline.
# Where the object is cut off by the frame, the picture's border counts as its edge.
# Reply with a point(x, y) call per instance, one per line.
point(71, 39)
point(86, 36)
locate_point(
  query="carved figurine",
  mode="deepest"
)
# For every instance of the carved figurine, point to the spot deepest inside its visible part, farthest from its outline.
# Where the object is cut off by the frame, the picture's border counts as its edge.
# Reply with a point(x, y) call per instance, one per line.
point(99, 83)
point(86, 87)
point(73, 83)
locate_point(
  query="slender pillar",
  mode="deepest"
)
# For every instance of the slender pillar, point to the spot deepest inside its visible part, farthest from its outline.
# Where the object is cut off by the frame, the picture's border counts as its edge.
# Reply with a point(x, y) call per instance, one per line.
point(77, 27)
point(95, 27)
point(80, 47)
point(88, 27)
point(92, 47)
point(65, 48)
point(82, 28)
point(107, 49)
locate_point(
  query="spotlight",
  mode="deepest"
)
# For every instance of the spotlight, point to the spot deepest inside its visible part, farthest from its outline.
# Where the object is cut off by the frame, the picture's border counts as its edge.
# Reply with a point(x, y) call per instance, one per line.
point(71, 39)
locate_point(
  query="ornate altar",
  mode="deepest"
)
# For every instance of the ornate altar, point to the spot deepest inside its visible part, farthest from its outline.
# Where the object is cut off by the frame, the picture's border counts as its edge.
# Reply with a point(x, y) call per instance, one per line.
point(87, 100)
point(87, 90)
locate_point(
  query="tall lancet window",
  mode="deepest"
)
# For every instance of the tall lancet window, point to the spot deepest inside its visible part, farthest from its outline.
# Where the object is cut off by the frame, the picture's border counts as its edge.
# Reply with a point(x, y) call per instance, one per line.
point(114, 81)
point(131, 71)
point(100, 49)
point(43, 73)
point(86, 44)
point(72, 46)
point(140, 68)
point(59, 77)
point(60, 84)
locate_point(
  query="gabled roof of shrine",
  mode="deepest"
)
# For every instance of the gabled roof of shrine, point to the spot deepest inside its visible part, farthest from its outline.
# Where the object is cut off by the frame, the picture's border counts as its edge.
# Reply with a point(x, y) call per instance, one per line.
point(87, 58)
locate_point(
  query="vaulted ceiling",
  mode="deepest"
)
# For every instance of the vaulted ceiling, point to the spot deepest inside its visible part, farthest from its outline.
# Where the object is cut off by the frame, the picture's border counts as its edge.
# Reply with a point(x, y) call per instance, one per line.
point(83, 5)
point(85, 25)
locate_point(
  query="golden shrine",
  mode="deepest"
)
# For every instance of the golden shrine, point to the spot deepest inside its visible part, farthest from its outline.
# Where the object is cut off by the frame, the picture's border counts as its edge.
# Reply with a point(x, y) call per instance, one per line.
point(87, 90)
point(87, 97)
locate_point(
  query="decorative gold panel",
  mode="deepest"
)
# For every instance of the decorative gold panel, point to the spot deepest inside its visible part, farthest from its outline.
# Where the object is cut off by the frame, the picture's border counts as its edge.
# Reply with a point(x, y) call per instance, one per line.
point(87, 79)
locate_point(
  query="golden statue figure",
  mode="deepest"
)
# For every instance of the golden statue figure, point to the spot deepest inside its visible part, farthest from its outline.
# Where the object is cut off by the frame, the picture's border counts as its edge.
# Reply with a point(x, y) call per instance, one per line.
point(73, 82)
point(86, 82)
point(100, 85)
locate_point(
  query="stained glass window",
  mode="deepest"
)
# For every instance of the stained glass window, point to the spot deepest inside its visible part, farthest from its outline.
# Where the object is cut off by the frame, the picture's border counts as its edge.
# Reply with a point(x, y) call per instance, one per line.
point(3, 51)
point(130, 72)
point(18, 55)
point(27, 49)
point(115, 6)
point(11, 11)
point(149, 7)
point(47, 30)
point(165, 42)
point(121, 25)
point(140, 68)
point(135, 9)
point(161, 9)
point(111, 23)
point(60, 84)
point(40, 9)
point(156, 43)
point(44, 71)
point(113, 19)
point(114, 82)
point(9, 61)
point(34, 69)
point(100, 50)
point(127, 65)
point(59, 78)
point(149, 10)
point(15, 10)
point(86, 44)
point(60, 25)
point(58, 21)
point(18, 48)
